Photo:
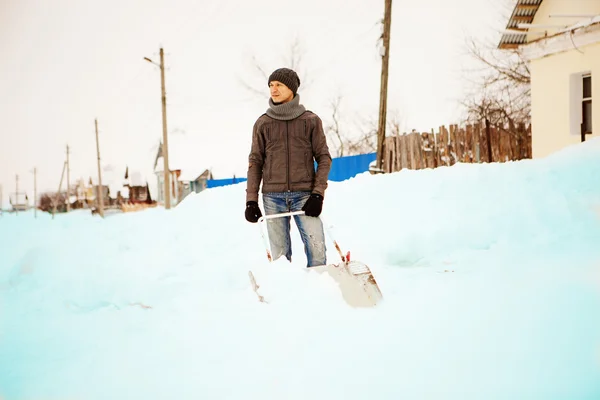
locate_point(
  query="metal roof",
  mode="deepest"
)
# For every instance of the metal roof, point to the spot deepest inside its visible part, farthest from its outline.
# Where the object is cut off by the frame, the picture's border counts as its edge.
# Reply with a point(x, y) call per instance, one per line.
point(523, 13)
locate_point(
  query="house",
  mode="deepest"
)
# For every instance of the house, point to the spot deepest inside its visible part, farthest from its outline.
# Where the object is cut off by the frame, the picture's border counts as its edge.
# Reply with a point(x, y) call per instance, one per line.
point(134, 190)
point(117, 189)
point(560, 40)
point(185, 175)
point(109, 192)
point(194, 183)
point(19, 201)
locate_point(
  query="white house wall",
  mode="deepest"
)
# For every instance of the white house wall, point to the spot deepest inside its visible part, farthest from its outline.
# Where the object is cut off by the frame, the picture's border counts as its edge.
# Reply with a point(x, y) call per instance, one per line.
point(554, 12)
point(557, 65)
point(555, 117)
point(160, 186)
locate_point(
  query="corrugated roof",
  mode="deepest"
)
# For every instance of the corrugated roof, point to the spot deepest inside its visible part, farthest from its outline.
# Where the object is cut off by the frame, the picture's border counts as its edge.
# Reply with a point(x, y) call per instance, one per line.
point(523, 13)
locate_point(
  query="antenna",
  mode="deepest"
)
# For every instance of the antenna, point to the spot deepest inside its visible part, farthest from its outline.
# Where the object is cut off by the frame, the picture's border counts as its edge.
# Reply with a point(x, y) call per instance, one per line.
point(540, 26)
point(572, 16)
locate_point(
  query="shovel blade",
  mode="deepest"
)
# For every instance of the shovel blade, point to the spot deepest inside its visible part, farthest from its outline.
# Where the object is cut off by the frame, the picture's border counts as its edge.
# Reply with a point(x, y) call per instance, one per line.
point(355, 281)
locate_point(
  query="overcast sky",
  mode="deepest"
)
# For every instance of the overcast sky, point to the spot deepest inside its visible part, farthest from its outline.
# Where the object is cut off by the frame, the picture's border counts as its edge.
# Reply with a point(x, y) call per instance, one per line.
point(67, 62)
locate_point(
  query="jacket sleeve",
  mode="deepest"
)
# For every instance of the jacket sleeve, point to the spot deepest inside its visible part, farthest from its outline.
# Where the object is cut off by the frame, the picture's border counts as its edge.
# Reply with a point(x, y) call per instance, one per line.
point(322, 156)
point(256, 160)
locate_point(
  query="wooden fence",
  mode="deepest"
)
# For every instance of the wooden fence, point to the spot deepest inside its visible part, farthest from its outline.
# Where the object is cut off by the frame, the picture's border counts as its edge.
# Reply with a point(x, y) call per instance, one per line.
point(469, 144)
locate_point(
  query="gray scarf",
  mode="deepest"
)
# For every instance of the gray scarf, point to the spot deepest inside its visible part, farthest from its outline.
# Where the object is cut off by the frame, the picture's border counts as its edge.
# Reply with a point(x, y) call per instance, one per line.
point(286, 111)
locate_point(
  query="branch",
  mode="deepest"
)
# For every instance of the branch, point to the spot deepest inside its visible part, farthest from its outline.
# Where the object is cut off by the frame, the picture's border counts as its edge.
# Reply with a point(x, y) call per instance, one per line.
point(294, 60)
point(334, 128)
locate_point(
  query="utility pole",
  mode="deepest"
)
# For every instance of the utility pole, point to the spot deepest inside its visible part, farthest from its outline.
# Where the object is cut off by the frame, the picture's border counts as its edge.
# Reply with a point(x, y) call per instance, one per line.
point(165, 149)
point(100, 193)
point(165, 136)
point(17, 196)
point(68, 183)
point(62, 175)
point(34, 192)
point(387, 22)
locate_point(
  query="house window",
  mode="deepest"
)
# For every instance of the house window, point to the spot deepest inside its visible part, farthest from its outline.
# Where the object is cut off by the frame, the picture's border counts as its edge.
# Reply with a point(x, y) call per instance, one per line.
point(580, 104)
point(586, 105)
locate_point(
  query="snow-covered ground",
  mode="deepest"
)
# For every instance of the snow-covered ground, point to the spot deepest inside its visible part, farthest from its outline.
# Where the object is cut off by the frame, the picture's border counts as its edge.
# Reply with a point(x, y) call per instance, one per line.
point(491, 278)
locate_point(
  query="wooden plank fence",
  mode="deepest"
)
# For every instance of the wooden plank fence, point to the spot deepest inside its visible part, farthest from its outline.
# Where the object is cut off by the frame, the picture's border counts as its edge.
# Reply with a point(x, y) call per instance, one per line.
point(474, 143)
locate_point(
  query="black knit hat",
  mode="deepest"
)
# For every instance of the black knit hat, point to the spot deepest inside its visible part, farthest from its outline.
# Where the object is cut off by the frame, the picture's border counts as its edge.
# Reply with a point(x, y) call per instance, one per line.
point(286, 76)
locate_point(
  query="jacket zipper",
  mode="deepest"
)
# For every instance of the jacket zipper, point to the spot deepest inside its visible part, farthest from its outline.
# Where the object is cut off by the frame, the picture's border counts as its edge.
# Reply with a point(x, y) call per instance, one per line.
point(287, 145)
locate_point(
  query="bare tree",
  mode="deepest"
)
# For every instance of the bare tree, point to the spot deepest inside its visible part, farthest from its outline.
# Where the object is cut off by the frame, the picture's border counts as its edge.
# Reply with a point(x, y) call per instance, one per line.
point(363, 138)
point(332, 131)
point(365, 143)
point(502, 94)
point(394, 122)
point(262, 75)
point(366, 140)
point(293, 58)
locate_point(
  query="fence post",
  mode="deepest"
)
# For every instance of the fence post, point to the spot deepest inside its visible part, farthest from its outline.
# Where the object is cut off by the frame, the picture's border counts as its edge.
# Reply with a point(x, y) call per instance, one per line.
point(435, 148)
point(404, 152)
point(489, 139)
point(520, 134)
point(411, 150)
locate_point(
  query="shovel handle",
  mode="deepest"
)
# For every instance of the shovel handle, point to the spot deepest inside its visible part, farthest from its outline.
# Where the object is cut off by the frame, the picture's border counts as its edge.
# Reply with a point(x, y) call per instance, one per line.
point(265, 234)
point(286, 214)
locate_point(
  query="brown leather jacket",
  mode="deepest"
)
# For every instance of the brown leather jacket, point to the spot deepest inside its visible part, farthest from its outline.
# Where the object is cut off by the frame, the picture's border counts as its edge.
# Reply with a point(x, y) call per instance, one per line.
point(283, 154)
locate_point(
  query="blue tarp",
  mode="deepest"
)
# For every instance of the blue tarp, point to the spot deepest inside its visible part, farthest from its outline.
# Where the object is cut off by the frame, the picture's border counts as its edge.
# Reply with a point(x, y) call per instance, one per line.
point(342, 168)
point(212, 183)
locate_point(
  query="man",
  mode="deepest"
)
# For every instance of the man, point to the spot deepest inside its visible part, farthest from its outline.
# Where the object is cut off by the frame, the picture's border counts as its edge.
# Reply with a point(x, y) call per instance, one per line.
point(286, 141)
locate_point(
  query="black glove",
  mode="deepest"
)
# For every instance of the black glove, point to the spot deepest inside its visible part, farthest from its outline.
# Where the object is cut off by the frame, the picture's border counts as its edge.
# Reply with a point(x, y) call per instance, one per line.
point(253, 213)
point(314, 205)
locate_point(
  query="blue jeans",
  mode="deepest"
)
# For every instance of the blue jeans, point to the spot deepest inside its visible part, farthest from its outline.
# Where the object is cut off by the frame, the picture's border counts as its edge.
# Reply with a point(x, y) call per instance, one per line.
point(310, 228)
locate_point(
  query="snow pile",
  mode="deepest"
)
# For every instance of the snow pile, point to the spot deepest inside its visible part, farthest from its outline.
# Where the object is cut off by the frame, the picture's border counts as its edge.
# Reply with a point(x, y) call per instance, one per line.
point(490, 272)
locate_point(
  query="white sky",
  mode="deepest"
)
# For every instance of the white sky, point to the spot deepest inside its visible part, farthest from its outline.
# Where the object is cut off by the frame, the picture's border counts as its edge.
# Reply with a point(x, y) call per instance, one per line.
point(65, 63)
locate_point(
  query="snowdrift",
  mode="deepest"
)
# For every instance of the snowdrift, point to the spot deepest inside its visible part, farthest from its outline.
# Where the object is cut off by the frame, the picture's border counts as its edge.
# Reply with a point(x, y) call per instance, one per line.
point(490, 272)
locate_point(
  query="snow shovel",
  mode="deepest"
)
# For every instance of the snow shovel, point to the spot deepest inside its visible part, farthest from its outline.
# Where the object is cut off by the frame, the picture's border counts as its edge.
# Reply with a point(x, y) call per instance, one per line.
point(354, 278)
